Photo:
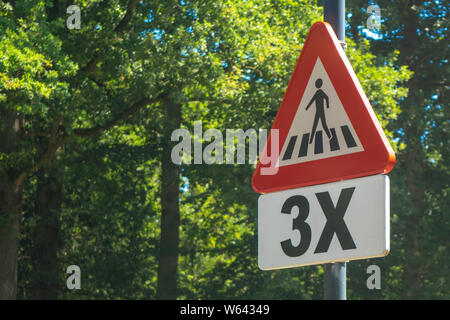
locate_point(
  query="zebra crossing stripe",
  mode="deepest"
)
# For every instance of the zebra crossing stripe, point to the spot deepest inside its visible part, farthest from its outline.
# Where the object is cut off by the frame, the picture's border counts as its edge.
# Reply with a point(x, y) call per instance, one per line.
point(304, 146)
point(349, 140)
point(334, 144)
point(290, 148)
point(318, 143)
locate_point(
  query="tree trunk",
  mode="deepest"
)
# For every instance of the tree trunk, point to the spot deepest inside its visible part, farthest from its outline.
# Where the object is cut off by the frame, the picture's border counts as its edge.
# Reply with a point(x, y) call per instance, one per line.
point(46, 243)
point(10, 208)
point(414, 154)
point(170, 216)
point(10, 205)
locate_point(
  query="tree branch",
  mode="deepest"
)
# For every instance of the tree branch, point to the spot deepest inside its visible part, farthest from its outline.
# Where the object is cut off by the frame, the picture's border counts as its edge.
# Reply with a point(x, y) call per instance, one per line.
point(131, 10)
point(58, 139)
point(88, 157)
point(118, 118)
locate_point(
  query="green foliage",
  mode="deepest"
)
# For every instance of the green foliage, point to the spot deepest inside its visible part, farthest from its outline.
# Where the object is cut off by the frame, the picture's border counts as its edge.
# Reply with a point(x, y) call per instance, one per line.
point(415, 32)
point(228, 64)
point(383, 84)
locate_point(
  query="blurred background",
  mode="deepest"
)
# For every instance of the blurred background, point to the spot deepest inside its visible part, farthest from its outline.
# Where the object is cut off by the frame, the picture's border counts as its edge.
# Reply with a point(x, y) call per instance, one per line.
point(89, 98)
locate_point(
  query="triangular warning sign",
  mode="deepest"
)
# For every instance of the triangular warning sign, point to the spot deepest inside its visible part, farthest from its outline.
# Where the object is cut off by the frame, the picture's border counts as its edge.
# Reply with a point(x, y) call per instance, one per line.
point(321, 128)
point(327, 130)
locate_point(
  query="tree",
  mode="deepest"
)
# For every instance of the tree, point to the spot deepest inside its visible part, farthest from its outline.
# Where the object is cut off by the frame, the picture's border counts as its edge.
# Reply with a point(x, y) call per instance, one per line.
point(417, 32)
point(50, 94)
point(105, 99)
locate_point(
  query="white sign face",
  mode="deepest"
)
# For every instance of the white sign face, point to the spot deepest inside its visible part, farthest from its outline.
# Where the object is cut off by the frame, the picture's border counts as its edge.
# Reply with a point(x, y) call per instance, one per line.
point(333, 222)
point(321, 128)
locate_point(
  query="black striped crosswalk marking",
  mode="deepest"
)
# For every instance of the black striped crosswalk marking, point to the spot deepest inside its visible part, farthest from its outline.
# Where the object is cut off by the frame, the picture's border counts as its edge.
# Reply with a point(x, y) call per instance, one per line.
point(334, 144)
point(304, 146)
point(348, 137)
point(318, 142)
point(290, 148)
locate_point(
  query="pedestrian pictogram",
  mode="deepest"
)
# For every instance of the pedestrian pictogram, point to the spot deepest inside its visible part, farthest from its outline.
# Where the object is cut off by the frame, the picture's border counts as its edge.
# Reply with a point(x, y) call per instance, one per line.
point(319, 99)
point(321, 127)
point(327, 128)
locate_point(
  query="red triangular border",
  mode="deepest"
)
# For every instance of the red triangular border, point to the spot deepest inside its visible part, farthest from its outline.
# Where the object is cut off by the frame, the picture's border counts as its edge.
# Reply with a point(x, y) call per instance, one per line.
point(377, 157)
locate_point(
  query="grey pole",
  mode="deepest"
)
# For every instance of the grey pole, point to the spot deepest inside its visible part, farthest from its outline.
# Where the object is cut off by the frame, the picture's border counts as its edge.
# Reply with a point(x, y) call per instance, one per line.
point(335, 287)
point(334, 14)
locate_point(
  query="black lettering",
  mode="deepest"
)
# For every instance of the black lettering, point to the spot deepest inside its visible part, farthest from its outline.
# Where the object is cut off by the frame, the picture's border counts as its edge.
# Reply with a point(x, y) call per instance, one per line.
point(335, 221)
point(297, 224)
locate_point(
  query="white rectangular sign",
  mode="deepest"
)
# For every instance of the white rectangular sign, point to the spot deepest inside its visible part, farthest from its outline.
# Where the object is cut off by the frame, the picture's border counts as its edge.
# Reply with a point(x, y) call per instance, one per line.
point(333, 222)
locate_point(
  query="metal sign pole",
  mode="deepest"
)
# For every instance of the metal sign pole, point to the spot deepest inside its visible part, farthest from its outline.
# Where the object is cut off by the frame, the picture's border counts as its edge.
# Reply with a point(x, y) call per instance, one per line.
point(334, 14)
point(335, 287)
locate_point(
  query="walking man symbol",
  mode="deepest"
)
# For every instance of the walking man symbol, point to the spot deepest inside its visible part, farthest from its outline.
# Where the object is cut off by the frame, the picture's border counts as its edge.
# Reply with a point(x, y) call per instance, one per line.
point(319, 98)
